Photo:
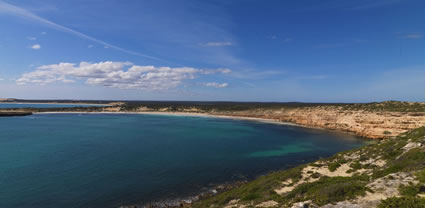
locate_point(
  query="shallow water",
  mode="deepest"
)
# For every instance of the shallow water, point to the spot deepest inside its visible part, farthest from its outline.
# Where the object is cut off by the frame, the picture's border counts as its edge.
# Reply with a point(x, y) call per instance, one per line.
point(104, 160)
point(44, 105)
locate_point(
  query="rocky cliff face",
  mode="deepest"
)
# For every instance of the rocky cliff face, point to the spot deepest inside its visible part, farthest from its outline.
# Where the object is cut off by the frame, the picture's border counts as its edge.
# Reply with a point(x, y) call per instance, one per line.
point(363, 123)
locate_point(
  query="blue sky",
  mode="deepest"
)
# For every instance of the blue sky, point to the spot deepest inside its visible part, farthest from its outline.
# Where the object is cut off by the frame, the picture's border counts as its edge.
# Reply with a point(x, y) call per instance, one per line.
point(240, 50)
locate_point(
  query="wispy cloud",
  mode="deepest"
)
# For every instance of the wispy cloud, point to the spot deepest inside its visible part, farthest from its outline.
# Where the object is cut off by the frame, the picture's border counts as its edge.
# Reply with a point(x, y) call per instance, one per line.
point(313, 77)
point(370, 4)
point(355, 5)
point(31, 38)
point(10, 9)
point(217, 44)
point(331, 45)
point(257, 74)
point(412, 36)
point(123, 75)
point(358, 40)
point(90, 46)
point(215, 84)
point(285, 40)
point(36, 47)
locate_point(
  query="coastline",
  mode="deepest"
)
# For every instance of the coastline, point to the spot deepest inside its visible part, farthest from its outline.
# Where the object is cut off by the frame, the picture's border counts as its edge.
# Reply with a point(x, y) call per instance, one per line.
point(205, 115)
point(201, 195)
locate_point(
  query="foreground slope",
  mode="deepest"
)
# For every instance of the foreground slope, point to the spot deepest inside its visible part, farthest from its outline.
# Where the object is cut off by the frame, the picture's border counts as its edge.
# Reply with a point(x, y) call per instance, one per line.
point(389, 173)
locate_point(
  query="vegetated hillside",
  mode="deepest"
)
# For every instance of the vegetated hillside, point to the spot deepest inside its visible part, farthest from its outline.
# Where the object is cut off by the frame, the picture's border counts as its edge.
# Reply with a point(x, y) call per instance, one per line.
point(389, 173)
point(182, 106)
point(390, 106)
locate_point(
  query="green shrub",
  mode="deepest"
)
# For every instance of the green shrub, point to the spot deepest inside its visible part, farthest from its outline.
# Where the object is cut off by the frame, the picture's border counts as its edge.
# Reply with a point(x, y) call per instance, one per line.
point(409, 190)
point(335, 165)
point(330, 189)
point(421, 176)
point(410, 161)
point(402, 202)
point(356, 165)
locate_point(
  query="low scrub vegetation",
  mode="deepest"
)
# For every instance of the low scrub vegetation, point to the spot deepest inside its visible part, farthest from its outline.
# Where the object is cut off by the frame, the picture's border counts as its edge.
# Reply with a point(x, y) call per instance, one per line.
point(403, 202)
point(365, 169)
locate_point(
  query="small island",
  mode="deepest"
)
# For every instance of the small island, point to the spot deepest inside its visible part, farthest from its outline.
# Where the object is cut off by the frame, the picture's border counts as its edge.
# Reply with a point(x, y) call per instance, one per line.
point(14, 113)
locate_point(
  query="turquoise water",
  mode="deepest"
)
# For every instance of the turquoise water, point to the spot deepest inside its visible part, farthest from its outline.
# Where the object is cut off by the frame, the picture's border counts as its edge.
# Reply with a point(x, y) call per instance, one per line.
point(104, 160)
point(41, 105)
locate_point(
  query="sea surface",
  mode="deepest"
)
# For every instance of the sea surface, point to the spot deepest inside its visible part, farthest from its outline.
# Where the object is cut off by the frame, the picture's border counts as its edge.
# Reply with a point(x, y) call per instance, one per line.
point(44, 105)
point(108, 160)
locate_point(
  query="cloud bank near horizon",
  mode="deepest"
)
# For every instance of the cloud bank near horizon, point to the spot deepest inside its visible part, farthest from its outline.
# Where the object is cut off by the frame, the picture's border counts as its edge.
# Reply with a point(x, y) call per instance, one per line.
point(122, 75)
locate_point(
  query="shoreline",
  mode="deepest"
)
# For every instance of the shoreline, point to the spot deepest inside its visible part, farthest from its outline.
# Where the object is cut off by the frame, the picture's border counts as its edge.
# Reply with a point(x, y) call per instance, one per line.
point(207, 115)
point(211, 191)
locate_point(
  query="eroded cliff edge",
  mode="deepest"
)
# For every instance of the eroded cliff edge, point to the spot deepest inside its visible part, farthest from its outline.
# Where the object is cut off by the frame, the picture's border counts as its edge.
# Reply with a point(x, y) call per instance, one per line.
point(364, 123)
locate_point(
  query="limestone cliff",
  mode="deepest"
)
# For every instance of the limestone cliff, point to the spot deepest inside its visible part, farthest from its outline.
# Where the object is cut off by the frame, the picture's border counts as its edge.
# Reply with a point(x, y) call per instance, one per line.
point(380, 124)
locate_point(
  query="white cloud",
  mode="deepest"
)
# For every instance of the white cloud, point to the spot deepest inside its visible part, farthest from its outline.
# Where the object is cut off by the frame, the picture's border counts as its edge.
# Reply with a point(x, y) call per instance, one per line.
point(373, 4)
point(313, 77)
point(413, 36)
point(214, 71)
point(44, 33)
point(217, 44)
point(90, 46)
point(6, 8)
point(36, 47)
point(215, 84)
point(123, 75)
point(31, 38)
point(326, 45)
point(287, 40)
point(358, 40)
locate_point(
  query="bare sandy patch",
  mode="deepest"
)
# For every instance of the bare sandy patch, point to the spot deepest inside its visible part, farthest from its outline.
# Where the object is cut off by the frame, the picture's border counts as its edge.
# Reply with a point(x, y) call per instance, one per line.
point(270, 203)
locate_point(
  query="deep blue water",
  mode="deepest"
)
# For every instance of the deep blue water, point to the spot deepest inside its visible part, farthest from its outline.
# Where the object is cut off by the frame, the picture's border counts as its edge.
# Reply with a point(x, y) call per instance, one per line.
point(42, 105)
point(104, 160)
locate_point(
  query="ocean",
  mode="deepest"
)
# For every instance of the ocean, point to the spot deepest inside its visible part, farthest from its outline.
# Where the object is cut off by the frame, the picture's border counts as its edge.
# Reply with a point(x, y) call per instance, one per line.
point(108, 160)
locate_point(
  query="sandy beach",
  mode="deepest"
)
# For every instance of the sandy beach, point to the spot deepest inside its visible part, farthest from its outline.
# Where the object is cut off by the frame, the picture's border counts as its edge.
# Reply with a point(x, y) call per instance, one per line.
point(262, 120)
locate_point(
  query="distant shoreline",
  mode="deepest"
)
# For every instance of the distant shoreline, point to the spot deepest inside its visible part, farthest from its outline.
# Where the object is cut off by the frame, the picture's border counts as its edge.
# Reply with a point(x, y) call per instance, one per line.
point(206, 115)
point(52, 103)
